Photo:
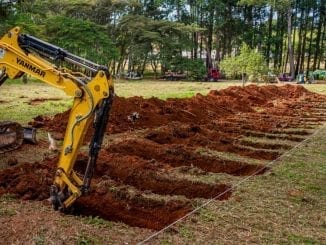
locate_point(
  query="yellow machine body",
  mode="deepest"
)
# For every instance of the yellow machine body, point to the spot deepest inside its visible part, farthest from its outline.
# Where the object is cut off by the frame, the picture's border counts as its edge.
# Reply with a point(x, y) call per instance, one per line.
point(15, 61)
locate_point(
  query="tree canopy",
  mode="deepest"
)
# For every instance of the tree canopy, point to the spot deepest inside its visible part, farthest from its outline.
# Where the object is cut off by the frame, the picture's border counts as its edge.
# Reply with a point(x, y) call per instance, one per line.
point(178, 34)
point(248, 64)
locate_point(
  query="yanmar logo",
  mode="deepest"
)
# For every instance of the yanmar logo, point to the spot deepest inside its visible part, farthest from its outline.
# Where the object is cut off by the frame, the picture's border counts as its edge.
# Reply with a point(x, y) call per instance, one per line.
point(30, 67)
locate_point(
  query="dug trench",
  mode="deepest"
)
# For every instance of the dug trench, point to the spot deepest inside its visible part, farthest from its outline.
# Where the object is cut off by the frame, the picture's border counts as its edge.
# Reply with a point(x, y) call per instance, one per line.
point(32, 181)
point(132, 181)
point(108, 201)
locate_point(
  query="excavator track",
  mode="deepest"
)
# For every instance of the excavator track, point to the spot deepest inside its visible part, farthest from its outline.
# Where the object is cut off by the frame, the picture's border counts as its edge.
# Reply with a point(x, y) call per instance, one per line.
point(11, 136)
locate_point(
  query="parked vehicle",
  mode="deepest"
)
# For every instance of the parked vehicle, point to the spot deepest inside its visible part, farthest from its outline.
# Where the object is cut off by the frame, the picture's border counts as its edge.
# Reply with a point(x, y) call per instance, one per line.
point(173, 76)
point(319, 74)
point(213, 75)
point(285, 77)
point(132, 75)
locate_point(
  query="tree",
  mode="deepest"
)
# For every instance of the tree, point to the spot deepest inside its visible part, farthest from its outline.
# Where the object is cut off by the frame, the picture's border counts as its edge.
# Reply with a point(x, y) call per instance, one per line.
point(81, 37)
point(248, 64)
point(160, 32)
point(290, 48)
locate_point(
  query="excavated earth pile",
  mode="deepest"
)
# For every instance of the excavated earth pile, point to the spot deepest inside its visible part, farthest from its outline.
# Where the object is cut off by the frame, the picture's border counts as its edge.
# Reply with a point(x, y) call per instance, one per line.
point(155, 167)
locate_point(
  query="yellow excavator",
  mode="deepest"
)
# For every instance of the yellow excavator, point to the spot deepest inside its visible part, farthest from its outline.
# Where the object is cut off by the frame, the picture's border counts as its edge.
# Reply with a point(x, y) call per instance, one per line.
point(91, 87)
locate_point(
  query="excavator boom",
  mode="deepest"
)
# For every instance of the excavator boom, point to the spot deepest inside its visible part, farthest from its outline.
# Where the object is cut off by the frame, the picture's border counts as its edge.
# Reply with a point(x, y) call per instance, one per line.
point(90, 86)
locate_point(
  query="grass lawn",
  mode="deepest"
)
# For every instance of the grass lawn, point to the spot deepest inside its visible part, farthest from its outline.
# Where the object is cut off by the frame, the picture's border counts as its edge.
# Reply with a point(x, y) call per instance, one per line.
point(15, 95)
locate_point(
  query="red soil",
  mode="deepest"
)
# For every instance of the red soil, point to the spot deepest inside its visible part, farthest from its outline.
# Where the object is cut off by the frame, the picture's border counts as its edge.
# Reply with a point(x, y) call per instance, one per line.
point(28, 181)
point(178, 155)
point(149, 175)
point(134, 212)
point(201, 136)
point(177, 131)
point(32, 181)
point(200, 109)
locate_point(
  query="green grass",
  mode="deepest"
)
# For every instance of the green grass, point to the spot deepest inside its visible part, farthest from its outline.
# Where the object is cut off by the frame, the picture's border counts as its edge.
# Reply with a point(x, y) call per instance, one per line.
point(84, 240)
point(229, 156)
point(15, 94)
point(206, 215)
point(96, 221)
point(39, 239)
point(186, 232)
point(316, 88)
point(167, 89)
point(293, 238)
point(18, 96)
point(7, 197)
point(268, 140)
point(286, 206)
point(7, 212)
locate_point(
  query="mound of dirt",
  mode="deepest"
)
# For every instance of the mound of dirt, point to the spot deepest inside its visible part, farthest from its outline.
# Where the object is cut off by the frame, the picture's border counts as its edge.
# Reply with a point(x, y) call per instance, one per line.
point(154, 112)
point(256, 95)
point(28, 181)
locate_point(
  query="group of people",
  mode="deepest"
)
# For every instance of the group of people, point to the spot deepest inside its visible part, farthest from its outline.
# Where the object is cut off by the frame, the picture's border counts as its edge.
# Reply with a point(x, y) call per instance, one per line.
point(302, 78)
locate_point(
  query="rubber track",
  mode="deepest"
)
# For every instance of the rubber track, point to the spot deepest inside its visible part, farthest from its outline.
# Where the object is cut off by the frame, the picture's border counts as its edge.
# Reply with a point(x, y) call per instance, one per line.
point(11, 136)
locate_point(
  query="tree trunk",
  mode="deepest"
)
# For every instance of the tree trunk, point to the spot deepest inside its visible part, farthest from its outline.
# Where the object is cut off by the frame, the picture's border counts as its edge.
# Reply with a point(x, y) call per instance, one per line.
point(299, 43)
point(286, 58)
point(290, 48)
point(310, 45)
point(303, 49)
point(209, 39)
point(218, 48)
point(280, 57)
point(144, 65)
point(319, 30)
point(294, 19)
point(277, 43)
point(270, 28)
point(201, 46)
point(113, 67)
point(195, 49)
point(321, 54)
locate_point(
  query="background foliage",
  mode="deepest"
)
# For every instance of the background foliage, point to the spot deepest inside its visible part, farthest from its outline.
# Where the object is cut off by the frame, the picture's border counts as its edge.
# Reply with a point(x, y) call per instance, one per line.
point(179, 35)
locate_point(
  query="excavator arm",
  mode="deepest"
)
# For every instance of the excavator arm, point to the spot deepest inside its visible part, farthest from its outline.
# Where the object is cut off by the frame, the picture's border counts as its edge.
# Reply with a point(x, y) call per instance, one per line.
point(93, 94)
